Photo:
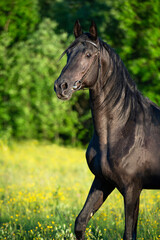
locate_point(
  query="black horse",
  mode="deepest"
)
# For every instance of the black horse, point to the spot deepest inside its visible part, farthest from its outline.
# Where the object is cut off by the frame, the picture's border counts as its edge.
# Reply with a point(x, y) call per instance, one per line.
point(124, 152)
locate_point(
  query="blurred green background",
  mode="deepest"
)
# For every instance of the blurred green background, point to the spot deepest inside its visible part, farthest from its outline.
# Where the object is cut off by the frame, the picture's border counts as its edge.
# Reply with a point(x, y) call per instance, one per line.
point(33, 34)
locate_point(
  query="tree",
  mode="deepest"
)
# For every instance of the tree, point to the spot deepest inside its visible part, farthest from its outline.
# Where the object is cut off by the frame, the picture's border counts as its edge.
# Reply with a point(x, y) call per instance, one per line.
point(139, 45)
point(18, 18)
point(33, 35)
point(30, 109)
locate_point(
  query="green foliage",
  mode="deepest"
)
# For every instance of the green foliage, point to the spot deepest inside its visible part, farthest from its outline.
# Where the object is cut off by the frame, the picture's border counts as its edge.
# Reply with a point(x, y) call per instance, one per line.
point(140, 44)
point(84, 10)
point(18, 18)
point(29, 108)
point(35, 33)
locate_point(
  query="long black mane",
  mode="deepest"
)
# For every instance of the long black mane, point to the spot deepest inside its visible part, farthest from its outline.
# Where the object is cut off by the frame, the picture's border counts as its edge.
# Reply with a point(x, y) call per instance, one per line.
point(119, 84)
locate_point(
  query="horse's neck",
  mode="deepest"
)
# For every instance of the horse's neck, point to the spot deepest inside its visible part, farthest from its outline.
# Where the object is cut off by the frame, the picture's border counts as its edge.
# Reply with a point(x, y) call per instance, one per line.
point(99, 118)
point(106, 121)
point(108, 99)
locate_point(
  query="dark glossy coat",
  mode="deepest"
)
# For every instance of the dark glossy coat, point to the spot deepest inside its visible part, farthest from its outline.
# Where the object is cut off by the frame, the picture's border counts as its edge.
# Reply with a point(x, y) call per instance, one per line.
point(124, 152)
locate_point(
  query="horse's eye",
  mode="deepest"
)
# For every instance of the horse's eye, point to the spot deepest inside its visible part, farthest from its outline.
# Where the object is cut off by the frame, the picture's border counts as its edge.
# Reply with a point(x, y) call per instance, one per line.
point(88, 55)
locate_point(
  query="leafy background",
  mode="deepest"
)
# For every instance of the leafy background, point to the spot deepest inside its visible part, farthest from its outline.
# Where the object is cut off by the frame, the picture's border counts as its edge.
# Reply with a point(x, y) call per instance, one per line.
point(33, 34)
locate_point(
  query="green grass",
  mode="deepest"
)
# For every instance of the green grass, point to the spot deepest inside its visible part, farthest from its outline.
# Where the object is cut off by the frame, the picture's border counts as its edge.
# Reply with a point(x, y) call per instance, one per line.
point(43, 188)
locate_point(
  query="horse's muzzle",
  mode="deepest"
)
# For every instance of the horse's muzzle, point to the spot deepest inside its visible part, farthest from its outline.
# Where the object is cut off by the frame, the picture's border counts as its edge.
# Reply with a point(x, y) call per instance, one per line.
point(62, 90)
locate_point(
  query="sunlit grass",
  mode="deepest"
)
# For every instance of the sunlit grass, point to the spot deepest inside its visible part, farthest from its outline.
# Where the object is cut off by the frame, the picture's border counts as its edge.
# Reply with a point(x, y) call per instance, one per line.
point(43, 187)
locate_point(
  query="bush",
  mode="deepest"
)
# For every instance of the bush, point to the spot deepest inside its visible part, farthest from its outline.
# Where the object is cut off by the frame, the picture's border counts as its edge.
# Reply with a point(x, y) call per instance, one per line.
point(29, 107)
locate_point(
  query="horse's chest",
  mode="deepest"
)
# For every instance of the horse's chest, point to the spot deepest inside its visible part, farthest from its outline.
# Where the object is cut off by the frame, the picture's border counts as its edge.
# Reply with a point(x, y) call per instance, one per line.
point(97, 161)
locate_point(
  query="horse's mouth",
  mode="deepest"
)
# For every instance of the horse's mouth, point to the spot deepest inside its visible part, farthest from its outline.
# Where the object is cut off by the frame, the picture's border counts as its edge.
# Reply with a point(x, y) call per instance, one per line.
point(63, 97)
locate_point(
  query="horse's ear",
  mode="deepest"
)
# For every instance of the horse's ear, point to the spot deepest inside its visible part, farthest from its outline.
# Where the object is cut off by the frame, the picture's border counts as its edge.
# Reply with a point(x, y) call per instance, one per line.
point(93, 30)
point(77, 29)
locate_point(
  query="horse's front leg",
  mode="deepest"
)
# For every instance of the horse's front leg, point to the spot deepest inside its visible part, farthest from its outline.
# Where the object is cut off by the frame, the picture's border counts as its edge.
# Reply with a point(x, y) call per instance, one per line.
point(131, 202)
point(99, 191)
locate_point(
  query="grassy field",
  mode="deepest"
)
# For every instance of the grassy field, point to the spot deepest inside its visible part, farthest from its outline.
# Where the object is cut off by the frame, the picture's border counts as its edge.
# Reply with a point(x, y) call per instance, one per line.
point(43, 187)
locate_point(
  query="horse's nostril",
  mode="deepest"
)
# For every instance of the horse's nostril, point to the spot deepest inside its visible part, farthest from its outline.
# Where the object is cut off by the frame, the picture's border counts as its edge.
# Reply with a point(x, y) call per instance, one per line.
point(64, 86)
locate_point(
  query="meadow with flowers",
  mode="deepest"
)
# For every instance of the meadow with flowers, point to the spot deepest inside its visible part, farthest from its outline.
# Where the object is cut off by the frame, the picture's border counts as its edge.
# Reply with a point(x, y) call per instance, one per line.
point(43, 187)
